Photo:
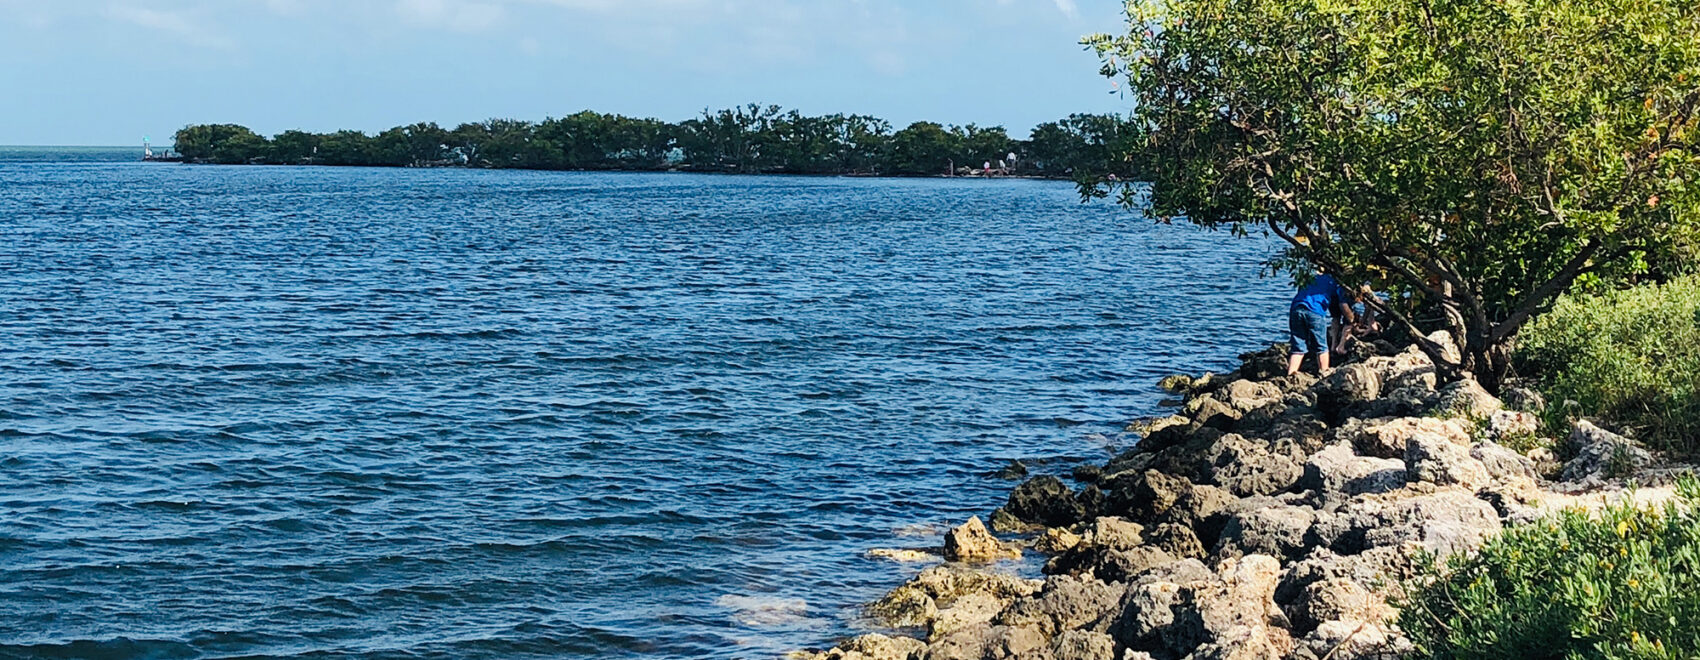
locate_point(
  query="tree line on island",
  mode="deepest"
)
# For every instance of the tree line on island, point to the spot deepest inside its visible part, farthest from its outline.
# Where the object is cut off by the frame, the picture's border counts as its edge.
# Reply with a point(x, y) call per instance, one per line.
point(752, 139)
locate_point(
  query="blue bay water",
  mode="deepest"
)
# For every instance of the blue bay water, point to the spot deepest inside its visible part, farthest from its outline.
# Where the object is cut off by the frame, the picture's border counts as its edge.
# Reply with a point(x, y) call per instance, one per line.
point(254, 411)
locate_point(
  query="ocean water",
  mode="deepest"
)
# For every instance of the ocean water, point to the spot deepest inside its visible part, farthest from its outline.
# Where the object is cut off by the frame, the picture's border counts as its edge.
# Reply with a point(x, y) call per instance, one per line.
point(274, 412)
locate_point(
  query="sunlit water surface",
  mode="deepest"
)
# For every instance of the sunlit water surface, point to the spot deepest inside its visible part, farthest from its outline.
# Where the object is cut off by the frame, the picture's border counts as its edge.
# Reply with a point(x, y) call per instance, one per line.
point(255, 411)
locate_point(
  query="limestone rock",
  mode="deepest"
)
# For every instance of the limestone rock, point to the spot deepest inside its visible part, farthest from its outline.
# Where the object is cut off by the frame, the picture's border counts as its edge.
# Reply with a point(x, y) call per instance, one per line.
point(966, 644)
point(1208, 411)
point(1083, 645)
point(1503, 465)
point(1266, 528)
point(1601, 454)
point(1437, 460)
point(1148, 611)
point(1056, 540)
point(964, 613)
point(1177, 540)
point(1466, 398)
point(917, 602)
point(1509, 425)
point(1354, 640)
point(1338, 599)
point(1387, 437)
point(1337, 470)
point(1113, 533)
point(1044, 501)
point(1066, 603)
point(1245, 396)
point(1017, 643)
point(1125, 565)
point(1246, 468)
point(1353, 383)
point(875, 646)
point(972, 542)
point(1443, 523)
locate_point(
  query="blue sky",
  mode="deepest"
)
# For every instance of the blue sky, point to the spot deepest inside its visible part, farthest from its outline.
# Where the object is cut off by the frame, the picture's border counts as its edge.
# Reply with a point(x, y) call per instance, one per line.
point(108, 72)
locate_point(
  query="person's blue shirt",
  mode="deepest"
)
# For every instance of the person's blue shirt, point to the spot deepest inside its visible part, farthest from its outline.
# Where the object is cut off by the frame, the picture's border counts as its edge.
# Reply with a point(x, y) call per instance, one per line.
point(1321, 296)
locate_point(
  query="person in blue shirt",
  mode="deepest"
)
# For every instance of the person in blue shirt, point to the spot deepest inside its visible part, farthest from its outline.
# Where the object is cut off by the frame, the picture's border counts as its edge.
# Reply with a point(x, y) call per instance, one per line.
point(1308, 320)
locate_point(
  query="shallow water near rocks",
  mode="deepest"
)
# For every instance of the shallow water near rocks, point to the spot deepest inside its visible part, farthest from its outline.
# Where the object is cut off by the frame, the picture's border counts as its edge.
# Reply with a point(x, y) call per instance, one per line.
point(253, 411)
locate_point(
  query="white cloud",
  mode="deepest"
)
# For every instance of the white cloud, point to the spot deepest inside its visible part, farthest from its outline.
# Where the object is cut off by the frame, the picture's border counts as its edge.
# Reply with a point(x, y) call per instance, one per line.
point(1068, 8)
point(174, 24)
point(456, 15)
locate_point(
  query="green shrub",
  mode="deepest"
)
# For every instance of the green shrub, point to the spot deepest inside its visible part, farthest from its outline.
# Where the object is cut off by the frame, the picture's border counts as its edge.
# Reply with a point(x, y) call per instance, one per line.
point(1620, 583)
point(1631, 357)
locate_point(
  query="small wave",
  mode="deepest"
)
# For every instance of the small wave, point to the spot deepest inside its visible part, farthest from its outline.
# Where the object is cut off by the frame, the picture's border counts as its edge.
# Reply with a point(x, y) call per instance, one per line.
point(769, 611)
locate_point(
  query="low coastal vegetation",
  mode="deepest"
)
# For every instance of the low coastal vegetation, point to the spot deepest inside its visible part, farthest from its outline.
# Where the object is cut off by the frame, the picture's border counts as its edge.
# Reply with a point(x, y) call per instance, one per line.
point(1631, 357)
point(1623, 582)
point(1473, 160)
point(747, 139)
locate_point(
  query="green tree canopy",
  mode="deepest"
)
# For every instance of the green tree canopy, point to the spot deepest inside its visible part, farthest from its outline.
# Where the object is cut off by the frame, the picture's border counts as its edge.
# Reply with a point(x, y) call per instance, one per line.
point(1476, 157)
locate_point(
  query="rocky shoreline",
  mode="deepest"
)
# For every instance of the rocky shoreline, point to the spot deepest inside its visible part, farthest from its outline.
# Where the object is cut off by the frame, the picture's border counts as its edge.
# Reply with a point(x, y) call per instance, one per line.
point(1274, 517)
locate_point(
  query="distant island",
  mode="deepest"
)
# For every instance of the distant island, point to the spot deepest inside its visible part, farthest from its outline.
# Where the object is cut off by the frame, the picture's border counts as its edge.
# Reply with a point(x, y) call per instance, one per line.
point(751, 139)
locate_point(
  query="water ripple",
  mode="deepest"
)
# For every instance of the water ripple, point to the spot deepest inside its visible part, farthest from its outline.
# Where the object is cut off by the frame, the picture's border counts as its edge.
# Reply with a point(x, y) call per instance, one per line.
point(355, 413)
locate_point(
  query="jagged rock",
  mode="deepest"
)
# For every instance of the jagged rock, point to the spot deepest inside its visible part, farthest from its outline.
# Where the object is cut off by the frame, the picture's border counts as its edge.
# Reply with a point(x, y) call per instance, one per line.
point(1066, 603)
point(1265, 364)
point(1467, 399)
point(1400, 368)
point(966, 644)
point(1503, 465)
point(1387, 437)
point(875, 646)
point(1112, 533)
point(1353, 383)
point(1004, 521)
point(1103, 542)
point(1015, 470)
point(1246, 468)
point(1044, 500)
point(1208, 411)
point(1087, 474)
point(1091, 501)
point(1242, 596)
point(1083, 645)
point(917, 602)
point(1448, 348)
point(1244, 643)
point(1148, 610)
point(972, 542)
point(1017, 643)
point(1261, 419)
point(1177, 383)
point(1125, 565)
point(1354, 640)
point(1601, 454)
point(964, 613)
point(1056, 541)
point(1443, 523)
point(1377, 568)
point(1338, 599)
point(1266, 528)
point(1148, 426)
point(1546, 462)
point(1507, 425)
point(1245, 396)
point(1337, 470)
point(1177, 540)
point(1438, 460)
